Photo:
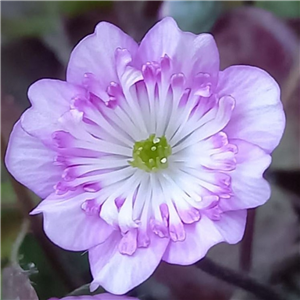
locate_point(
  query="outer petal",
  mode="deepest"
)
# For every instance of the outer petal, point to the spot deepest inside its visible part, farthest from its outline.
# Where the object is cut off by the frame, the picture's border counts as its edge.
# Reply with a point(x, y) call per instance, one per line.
point(50, 99)
point(190, 54)
point(95, 54)
point(68, 226)
point(232, 225)
point(31, 163)
point(249, 187)
point(118, 273)
point(201, 236)
point(258, 116)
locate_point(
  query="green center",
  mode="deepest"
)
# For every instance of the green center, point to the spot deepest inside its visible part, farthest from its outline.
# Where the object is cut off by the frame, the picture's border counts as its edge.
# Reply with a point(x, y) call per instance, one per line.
point(152, 154)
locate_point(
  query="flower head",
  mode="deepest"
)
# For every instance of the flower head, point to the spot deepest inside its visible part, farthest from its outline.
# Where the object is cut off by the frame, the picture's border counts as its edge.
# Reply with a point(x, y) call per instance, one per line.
point(147, 152)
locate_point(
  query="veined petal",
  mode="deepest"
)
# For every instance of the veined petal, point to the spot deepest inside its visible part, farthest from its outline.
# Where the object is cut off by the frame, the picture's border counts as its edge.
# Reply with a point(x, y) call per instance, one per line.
point(258, 116)
point(249, 187)
point(67, 224)
point(191, 54)
point(119, 273)
point(231, 225)
point(50, 99)
point(95, 54)
point(200, 237)
point(31, 162)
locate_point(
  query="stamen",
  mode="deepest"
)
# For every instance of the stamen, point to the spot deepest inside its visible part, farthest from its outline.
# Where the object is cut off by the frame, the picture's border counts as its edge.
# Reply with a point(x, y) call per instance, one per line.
point(152, 154)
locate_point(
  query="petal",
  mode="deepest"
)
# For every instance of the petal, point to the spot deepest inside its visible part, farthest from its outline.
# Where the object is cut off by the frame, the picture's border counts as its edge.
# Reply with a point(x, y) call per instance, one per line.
point(258, 116)
point(119, 273)
point(200, 237)
point(249, 187)
point(50, 99)
point(232, 225)
point(95, 54)
point(31, 163)
point(190, 54)
point(68, 226)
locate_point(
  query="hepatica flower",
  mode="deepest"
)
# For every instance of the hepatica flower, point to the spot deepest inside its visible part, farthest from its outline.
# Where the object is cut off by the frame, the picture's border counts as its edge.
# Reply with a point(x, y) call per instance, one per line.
point(147, 152)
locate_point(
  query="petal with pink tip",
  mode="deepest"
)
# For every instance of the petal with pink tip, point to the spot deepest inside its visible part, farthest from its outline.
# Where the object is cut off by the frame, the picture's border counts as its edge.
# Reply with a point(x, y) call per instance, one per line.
point(190, 54)
point(50, 99)
point(249, 187)
point(95, 54)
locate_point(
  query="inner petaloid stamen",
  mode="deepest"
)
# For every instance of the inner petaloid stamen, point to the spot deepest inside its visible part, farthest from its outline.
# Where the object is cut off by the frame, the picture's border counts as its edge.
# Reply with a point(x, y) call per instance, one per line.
point(151, 155)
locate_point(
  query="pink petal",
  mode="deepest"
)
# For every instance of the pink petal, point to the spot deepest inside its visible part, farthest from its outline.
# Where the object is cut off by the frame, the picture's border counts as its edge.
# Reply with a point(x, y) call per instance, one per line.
point(95, 54)
point(50, 99)
point(118, 273)
point(200, 237)
point(31, 163)
point(258, 116)
point(249, 187)
point(232, 225)
point(189, 53)
point(68, 226)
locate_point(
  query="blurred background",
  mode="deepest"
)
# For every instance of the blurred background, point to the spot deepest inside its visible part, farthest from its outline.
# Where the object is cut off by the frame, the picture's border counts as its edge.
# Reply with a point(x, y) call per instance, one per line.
point(37, 39)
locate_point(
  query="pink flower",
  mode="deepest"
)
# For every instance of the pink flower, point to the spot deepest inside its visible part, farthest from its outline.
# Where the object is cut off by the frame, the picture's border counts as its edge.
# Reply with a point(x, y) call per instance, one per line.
point(147, 152)
point(96, 297)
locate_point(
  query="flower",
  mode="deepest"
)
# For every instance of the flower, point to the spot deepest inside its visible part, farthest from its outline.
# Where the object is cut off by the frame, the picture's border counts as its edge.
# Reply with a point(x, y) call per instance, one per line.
point(147, 152)
point(104, 296)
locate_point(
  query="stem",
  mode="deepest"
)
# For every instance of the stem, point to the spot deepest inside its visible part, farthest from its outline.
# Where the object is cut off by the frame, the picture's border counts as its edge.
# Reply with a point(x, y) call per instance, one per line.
point(81, 290)
point(18, 242)
point(151, 8)
point(292, 82)
point(247, 243)
point(240, 280)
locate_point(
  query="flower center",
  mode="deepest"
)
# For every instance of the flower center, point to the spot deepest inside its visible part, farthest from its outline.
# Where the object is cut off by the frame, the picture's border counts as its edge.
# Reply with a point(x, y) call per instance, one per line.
point(151, 154)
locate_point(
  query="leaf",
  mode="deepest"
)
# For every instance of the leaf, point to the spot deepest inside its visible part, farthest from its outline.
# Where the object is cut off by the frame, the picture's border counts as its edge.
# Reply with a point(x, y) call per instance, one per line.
point(11, 219)
point(194, 16)
point(41, 17)
point(285, 9)
point(46, 281)
point(7, 194)
point(74, 8)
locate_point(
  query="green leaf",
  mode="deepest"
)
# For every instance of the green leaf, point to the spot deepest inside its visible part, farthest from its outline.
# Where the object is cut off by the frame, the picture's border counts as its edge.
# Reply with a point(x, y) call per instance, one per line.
point(42, 275)
point(285, 9)
point(11, 220)
point(73, 8)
